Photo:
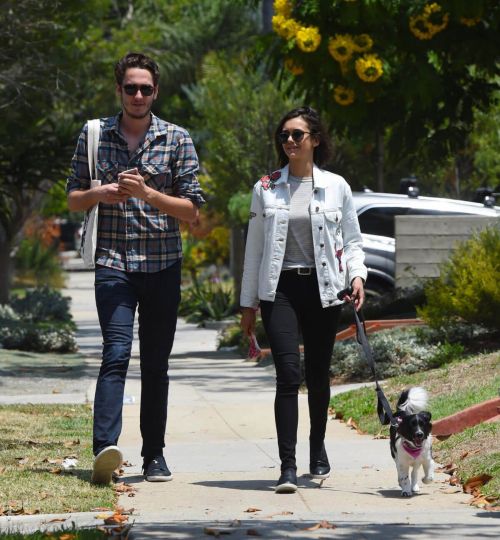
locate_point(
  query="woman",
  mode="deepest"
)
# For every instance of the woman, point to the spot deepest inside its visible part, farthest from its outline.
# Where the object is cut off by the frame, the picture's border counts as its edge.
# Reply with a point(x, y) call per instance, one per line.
point(303, 246)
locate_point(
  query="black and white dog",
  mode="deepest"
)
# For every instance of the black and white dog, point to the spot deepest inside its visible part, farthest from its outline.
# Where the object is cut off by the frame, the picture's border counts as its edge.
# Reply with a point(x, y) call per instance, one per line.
point(411, 445)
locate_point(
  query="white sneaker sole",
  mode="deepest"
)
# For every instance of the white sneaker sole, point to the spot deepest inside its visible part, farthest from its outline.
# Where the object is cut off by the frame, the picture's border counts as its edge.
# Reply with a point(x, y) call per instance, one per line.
point(159, 478)
point(105, 463)
point(286, 488)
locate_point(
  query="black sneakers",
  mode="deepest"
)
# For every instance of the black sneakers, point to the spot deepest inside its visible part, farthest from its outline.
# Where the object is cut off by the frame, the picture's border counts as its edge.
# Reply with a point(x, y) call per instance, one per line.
point(287, 482)
point(156, 470)
point(319, 466)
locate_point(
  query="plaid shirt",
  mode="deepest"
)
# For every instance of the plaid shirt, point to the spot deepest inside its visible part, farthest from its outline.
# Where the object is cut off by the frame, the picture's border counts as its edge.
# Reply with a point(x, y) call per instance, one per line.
point(134, 236)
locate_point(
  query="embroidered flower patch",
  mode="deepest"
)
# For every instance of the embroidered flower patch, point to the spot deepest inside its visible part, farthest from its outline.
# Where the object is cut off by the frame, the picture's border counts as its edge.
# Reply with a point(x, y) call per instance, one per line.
point(269, 181)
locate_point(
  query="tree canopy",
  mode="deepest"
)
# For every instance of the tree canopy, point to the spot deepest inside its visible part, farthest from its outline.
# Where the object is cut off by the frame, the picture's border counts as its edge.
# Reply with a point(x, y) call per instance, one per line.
point(410, 70)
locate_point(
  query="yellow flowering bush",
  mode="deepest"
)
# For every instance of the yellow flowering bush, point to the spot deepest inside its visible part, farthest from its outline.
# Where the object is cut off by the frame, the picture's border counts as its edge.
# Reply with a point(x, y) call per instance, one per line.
point(283, 7)
point(362, 43)
point(293, 67)
point(369, 67)
point(430, 22)
point(285, 28)
point(341, 47)
point(343, 96)
point(470, 21)
point(308, 38)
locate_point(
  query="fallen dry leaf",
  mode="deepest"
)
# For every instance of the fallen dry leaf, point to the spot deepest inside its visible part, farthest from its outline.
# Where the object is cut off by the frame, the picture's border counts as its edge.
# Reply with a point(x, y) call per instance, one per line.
point(67, 536)
point(476, 482)
point(2, 469)
point(55, 470)
point(454, 481)
point(321, 525)
point(213, 531)
point(69, 444)
point(116, 519)
point(284, 513)
point(450, 468)
point(251, 509)
point(122, 487)
point(352, 424)
point(451, 490)
point(56, 520)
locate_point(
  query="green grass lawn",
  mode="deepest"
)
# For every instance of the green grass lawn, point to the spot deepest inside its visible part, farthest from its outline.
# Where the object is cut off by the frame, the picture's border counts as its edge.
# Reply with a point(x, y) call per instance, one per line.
point(451, 388)
point(35, 440)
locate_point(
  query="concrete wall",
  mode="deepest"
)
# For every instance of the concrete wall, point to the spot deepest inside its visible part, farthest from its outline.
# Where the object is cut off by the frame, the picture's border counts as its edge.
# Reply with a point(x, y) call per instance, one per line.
point(423, 242)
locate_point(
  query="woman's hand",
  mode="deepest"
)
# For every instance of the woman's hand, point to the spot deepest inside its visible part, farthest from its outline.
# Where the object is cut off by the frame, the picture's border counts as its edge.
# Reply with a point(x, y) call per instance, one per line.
point(358, 293)
point(248, 316)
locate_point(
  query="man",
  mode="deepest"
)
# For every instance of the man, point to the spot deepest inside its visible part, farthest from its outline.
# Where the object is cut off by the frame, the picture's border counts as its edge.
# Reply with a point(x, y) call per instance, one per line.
point(148, 172)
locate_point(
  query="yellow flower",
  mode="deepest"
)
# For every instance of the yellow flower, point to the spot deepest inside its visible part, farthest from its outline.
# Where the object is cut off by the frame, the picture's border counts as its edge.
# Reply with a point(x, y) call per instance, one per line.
point(308, 38)
point(362, 43)
point(293, 67)
point(285, 28)
point(430, 22)
point(282, 7)
point(470, 21)
point(369, 67)
point(343, 96)
point(341, 47)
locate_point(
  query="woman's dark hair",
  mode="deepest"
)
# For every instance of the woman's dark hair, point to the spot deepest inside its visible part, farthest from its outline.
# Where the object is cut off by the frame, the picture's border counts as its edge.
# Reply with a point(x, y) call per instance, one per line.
point(136, 60)
point(322, 152)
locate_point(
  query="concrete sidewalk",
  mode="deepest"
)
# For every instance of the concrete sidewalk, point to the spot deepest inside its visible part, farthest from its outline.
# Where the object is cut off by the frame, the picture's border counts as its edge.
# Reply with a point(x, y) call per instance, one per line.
point(221, 447)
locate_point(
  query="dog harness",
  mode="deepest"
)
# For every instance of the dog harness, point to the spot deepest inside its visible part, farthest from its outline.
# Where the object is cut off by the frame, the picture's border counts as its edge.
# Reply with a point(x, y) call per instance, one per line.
point(412, 450)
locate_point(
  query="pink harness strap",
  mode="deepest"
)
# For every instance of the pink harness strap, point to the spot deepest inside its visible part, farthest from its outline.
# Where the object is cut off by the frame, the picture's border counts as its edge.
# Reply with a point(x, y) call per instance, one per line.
point(414, 452)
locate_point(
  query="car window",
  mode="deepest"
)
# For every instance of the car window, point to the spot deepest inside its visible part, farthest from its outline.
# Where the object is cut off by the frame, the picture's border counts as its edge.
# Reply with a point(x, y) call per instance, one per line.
point(380, 220)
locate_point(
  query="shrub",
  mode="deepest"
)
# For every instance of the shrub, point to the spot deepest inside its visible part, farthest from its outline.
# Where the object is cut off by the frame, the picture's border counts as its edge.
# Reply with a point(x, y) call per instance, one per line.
point(40, 322)
point(210, 300)
point(38, 337)
point(468, 288)
point(396, 352)
point(37, 264)
point(43, 304)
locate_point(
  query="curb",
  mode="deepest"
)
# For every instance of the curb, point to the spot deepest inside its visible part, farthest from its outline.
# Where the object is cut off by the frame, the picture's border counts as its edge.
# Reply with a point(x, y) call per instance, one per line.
point(482, 412)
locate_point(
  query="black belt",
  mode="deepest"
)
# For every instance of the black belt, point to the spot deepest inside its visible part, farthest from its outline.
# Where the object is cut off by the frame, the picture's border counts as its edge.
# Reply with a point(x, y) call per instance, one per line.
point(301, 271)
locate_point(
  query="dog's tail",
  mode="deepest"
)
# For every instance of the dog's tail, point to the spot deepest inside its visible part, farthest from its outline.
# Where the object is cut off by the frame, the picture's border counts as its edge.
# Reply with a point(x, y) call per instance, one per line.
point(413, 400)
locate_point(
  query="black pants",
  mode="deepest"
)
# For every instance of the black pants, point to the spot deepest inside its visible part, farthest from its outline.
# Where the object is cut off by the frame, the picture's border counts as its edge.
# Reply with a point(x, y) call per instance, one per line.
point(297, 306)
point(157, 296)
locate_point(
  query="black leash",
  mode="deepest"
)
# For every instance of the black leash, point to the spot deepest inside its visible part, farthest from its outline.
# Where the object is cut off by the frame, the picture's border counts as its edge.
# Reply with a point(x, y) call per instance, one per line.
point(383, 408)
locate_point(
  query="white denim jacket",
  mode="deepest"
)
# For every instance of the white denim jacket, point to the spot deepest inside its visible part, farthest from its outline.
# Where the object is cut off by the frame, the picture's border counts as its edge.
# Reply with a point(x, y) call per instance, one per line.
point(337, 241)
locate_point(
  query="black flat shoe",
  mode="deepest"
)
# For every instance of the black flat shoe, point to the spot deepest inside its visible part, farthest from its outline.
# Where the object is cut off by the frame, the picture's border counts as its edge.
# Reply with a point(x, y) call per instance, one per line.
point(319, 466)
point(287, 482)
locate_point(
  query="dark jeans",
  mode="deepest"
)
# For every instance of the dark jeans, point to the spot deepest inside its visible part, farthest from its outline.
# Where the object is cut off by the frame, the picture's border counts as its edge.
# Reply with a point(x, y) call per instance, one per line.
point(117, 296)
point(297, 307)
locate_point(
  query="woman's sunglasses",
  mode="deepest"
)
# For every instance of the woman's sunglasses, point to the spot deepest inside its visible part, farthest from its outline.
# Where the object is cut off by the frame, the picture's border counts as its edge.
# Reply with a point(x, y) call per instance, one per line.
point(297, 135)
point(132, 89)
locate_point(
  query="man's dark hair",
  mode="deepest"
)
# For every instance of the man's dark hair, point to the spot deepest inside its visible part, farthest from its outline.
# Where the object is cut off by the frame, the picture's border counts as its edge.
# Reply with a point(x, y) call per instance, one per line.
point(322, 152)
point(136, 60)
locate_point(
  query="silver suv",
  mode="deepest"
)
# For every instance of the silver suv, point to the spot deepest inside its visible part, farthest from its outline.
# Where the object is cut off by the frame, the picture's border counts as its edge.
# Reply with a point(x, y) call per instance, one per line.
point(376, 213)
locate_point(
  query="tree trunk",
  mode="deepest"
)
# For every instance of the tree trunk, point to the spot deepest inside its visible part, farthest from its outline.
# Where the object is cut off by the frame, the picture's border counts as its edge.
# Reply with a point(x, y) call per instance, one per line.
point(5, 269)
point(236, 259)
point(380, 159)
point(267, 15)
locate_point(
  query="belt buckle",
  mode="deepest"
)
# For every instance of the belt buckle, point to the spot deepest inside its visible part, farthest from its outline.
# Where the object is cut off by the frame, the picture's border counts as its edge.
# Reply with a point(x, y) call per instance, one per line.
point(304, 271)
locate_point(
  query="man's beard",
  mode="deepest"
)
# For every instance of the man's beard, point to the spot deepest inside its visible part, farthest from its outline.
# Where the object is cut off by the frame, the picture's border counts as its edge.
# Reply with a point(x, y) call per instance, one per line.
point(134, 115)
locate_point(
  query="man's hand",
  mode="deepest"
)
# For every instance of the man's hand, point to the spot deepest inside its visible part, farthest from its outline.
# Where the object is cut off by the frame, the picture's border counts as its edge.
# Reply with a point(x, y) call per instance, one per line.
point(110, 194)
point(132, 184)
point(358, 293)
point(248, 321)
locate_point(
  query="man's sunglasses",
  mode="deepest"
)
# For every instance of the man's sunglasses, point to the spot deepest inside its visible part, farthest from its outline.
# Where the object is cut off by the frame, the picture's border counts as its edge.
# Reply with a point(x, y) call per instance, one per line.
point(297, 135)
point(131, 89)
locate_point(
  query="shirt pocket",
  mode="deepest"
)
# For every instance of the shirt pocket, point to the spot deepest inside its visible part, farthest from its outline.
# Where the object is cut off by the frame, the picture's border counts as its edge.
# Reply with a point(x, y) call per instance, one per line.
point(157, 176)
point(107, 171)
